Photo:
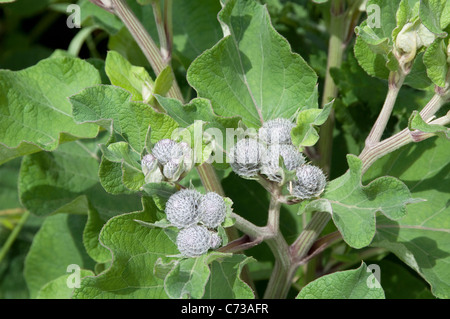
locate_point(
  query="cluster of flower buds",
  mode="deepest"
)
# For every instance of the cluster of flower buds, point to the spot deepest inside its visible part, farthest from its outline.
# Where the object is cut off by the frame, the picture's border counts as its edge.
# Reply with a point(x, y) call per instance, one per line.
point(197, 216)
point(168, 160)
point(263, 155)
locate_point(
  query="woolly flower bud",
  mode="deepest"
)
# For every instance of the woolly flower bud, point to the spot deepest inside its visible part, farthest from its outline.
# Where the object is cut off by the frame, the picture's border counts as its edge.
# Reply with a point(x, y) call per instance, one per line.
point(187, 156)
point(246, 157)
point(212, 209)
point(150, 169)
point(194, 241)
point(170, 169)
point(276, 131)
point(216, 241)
point(166, 150)
point(311, 182)
point(148, 163)
point(292, 159)
point(182, 208)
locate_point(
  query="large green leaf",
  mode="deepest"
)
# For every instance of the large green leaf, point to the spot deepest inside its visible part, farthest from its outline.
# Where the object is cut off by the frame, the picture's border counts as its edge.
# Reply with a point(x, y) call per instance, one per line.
point(135, 249)
point(422, 238)
point(252, 71)
point(35, 113)
point(54, 248)
point(66, 181)
point(195, 28)
point(353, 205)
point(58, 288)
point(349, 284)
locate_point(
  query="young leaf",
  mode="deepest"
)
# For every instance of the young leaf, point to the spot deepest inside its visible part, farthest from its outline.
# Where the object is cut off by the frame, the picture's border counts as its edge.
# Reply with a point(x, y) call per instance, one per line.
point(422, 238)
point(417, 123)
point(305, 133)
point(349, 284)
point(435, 60)
point(252, 71)
point(34, 111)
point(121, 73)
point(110, 106)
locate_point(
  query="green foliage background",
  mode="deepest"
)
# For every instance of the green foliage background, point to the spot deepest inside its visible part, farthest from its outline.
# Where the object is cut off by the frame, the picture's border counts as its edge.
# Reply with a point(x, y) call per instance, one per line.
point(73, 126)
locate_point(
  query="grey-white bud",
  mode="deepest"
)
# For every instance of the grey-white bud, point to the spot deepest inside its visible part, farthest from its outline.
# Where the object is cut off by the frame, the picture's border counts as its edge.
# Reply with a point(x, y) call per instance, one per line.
point(166, 150)
point(246, 157)
point(216, 241)
point(276, 131)
point(182, 208)
point(194, 241)
point(311, 182)
point(212, 209)
point(291, 156)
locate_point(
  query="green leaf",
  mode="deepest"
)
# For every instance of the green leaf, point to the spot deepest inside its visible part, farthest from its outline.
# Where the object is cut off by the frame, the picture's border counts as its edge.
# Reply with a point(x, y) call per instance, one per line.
point(417, 123)
point(120, 152)
point(305, 132)
point(349, 284)
point(9, 196)
point(135, 250)
point(93, 15)
point(374, 64)
point(197, 109)
point(163, 190)
point(64, 180)
point(226, 275)
point(430, 12)
point(374, 45)
point(353, 205)
point(58, 288)
point(188, 278)
point(110, 106)
point(163, 83)
point(435, 60)
point(121, 73)
point(34, 111)
point(54, 248)
point(421, 239)
point(195, 28)
point(252, 70)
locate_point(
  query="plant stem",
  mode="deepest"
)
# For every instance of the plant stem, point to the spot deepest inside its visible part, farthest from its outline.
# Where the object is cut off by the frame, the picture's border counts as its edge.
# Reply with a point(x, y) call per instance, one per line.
point(279, 282)
point(336, 47)
point(13, 235)
point(377, 150)
point(168, 27)
point(395, 82)
point(143, 39)
point(436, 102)
point(163, 43)
point(300, 248)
